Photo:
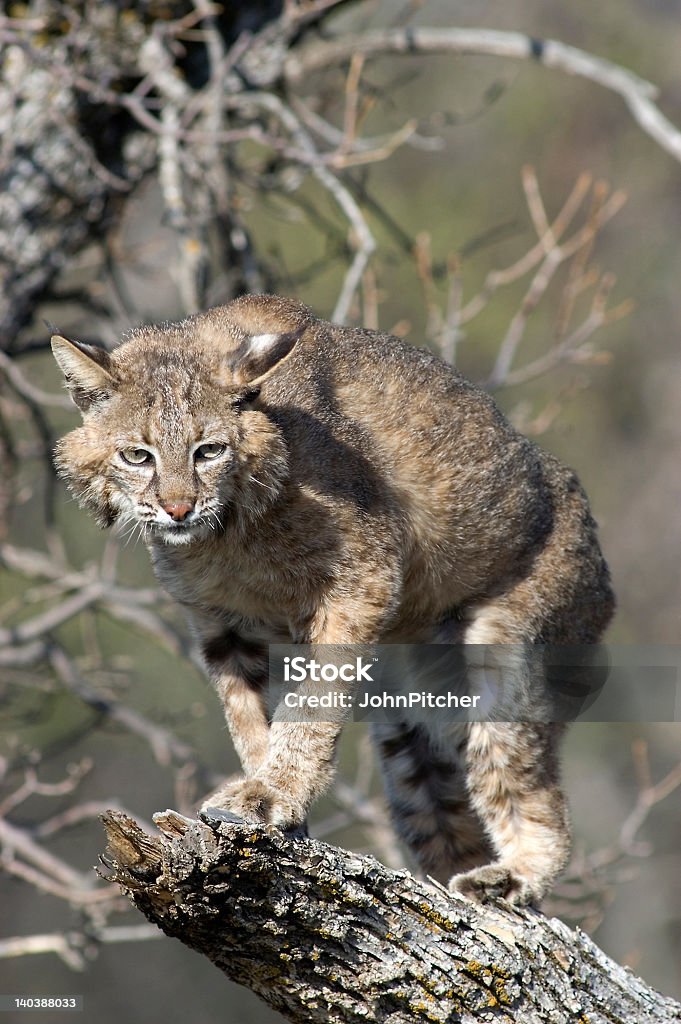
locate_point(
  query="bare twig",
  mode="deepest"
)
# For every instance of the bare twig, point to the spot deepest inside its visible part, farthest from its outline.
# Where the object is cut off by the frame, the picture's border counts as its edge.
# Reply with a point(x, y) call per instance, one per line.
point(27, 390)
point(44, 869)
point(588, 884)
point(76, 948)
point(638, 94)
point(555, 256)
point(44, 623)
point(498, 278)
point(33, 786)
point(362, 239)
point(164, 745)
point(551, 251)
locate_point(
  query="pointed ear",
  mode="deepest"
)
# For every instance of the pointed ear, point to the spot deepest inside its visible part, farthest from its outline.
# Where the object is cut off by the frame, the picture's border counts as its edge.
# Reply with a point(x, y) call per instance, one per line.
point(261, 353)
point(86, 369)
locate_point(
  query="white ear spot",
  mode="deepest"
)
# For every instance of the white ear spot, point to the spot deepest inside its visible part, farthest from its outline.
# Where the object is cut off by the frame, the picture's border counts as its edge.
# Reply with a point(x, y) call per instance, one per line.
point(259, 343)
point(260, 353)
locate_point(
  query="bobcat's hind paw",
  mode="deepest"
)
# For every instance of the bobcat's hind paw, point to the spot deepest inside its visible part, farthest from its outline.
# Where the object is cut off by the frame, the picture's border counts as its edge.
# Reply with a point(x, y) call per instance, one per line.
point(256, 800)
point(495, 881)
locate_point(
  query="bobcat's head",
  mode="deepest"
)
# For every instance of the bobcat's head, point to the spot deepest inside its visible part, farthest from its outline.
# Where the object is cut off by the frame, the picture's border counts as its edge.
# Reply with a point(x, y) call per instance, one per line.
point(172, 438)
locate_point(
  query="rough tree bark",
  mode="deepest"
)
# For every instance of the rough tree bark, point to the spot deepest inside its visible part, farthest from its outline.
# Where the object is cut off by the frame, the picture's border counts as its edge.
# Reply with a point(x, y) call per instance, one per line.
point(324, 935)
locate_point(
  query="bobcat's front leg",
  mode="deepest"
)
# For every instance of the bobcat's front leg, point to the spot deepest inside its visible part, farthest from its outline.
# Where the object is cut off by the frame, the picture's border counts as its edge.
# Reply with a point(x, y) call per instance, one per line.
point(239, 671)
point(298, 769)
point(302, 740)
point(287, 763)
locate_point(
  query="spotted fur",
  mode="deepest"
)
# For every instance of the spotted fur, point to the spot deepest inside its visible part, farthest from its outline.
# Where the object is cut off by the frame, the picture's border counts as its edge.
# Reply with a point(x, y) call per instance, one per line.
point(298, 481)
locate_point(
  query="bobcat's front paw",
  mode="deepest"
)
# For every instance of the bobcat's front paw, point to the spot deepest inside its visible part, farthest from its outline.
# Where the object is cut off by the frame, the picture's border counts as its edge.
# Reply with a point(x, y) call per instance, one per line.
point(495, 881)
point(256, 800)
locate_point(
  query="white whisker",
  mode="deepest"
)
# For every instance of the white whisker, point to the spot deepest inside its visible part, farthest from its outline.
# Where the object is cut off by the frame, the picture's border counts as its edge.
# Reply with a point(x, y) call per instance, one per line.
point(267, 487)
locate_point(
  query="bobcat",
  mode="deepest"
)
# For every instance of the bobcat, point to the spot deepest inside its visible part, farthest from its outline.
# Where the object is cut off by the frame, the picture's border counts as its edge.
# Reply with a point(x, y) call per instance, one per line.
point(297, 481)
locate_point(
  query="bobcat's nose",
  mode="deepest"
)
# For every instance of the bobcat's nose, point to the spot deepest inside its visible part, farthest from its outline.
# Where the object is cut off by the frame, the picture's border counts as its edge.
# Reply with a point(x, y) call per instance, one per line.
point(177, 510)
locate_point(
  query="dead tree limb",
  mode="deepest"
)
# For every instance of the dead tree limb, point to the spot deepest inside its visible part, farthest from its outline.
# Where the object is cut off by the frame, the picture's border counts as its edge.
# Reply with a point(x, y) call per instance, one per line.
point(324, 935)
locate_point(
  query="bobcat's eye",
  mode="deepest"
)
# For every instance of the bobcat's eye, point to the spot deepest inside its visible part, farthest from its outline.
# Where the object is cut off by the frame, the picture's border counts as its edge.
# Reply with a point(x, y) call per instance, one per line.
point(136, 456)
point(209, 451)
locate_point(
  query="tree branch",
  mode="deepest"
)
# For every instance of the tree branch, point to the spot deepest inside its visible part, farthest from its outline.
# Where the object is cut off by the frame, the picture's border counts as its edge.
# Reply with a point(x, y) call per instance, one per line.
point(324, 935)
point(637, 93)
point(73, 947)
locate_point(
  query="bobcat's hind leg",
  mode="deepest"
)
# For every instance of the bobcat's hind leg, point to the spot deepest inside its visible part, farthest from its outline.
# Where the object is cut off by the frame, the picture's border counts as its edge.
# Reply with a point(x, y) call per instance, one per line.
point(513, 769)
point(512, 779)
point(427, 797)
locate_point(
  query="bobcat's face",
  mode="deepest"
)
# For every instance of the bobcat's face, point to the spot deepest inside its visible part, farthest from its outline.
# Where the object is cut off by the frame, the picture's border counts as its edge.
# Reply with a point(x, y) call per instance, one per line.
point(177, 464)
point(177, 468)
point(174, 498)
point(172, 441)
